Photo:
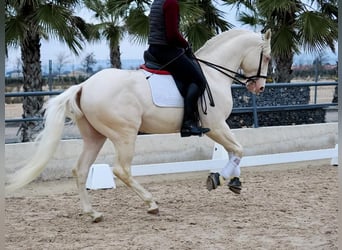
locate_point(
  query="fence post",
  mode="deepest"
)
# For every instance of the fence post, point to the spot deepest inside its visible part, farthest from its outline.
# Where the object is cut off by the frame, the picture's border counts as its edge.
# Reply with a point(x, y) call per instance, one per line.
point(50, 75)
point(255, 112)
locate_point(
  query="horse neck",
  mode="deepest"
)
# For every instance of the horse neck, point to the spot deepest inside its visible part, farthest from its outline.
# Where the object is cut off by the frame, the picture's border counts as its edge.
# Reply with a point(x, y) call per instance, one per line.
point(228, 49)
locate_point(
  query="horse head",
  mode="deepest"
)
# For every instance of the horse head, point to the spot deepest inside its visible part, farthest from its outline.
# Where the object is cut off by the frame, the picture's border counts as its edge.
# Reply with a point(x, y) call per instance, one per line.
point(255, 64)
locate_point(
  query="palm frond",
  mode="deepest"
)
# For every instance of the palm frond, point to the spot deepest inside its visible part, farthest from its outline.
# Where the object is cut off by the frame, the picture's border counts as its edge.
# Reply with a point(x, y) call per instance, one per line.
point(316, 31)
point(14, 29)
point(137, 24)
point(249, 19)
point(57, 22)
point(198, 34)
point(284, 42)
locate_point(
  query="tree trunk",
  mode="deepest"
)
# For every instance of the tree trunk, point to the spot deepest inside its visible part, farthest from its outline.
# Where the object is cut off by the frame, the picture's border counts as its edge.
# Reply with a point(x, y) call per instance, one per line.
point(283, 71)
point(115, 60)
point(32, 105)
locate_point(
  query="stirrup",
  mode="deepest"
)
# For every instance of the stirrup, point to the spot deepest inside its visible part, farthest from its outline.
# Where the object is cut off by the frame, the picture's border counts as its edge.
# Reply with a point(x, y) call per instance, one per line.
point(193, 130)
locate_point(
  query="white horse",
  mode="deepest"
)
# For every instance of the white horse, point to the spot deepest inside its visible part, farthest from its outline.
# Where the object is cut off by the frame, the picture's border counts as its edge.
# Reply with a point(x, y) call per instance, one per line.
point(117, 104)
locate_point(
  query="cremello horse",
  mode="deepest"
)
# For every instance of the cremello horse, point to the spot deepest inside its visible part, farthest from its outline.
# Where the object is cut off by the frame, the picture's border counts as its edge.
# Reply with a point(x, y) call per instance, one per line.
point(116, 104)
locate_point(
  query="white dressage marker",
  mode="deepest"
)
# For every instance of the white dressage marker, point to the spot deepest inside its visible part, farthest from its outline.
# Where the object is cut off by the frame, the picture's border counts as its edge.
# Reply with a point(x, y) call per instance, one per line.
point(100, 176)
point(334, 160)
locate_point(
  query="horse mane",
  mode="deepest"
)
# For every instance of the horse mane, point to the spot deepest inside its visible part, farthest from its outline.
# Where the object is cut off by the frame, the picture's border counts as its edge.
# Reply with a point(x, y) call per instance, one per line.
point(230, 35)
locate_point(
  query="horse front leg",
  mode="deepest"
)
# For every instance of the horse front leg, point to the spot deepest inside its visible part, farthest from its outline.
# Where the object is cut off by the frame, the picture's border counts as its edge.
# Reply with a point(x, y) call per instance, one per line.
point(231, 171)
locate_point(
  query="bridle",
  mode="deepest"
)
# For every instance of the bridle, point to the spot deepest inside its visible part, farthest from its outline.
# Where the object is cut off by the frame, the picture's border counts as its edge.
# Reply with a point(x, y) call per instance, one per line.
point(237, 76)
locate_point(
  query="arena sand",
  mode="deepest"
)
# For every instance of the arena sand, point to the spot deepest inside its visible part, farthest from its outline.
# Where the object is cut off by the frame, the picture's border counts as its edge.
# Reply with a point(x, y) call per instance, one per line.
point(288, 206)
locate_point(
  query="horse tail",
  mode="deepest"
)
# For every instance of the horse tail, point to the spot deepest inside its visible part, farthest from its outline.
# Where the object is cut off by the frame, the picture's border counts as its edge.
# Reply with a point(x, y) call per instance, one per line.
point(58, 108)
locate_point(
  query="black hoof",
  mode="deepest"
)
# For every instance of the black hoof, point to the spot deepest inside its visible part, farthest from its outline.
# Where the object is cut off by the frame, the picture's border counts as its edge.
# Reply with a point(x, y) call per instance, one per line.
point(213, 181)
point(235, 185)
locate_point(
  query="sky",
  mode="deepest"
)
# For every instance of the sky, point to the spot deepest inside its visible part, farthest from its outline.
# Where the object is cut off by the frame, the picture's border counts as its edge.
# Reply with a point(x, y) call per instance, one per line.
point(51, 49)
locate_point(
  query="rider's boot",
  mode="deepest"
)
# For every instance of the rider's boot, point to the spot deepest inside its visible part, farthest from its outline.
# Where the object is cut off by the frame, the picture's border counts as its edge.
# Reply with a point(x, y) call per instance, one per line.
point(190, 122)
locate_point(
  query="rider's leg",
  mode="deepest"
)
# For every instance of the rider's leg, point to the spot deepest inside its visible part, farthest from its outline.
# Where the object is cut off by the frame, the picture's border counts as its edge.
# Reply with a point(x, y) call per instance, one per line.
point(184, 69)
point(190, 119)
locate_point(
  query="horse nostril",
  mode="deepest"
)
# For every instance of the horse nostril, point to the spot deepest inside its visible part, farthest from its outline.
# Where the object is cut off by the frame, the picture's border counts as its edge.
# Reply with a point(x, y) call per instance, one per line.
point(262, 89)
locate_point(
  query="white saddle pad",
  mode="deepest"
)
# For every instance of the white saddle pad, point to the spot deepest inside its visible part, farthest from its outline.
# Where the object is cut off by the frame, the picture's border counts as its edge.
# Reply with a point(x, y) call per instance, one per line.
point(164, 90)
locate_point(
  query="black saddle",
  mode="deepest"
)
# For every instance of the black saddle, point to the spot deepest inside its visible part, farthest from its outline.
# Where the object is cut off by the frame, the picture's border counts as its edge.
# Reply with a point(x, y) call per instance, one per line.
point(150, 61)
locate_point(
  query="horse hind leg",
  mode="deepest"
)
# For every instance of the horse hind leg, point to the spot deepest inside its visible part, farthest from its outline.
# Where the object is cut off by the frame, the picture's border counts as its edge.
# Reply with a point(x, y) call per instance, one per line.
point(122, 169)
point(92, 144)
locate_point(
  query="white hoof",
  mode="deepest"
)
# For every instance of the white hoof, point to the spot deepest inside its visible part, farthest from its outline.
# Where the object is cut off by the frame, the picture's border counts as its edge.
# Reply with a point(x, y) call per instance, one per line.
point(96, 217)
point(153, 209)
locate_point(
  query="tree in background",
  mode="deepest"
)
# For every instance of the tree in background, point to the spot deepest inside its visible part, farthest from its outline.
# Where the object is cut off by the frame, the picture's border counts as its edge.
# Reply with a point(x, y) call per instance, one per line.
point(61, 60)
point(109, 27)
point(26, 23)
point(296, 25)
point(88, 63)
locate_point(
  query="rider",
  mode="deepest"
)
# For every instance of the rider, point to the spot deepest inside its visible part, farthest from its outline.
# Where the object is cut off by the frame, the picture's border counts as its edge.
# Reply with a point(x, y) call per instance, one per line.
point(170, 48)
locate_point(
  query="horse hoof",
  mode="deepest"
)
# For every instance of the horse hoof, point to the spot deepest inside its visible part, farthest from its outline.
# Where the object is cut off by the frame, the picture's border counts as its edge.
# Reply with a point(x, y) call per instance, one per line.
point(98, 217)
point(235, 185)
point(154, 211)
point(213, 181)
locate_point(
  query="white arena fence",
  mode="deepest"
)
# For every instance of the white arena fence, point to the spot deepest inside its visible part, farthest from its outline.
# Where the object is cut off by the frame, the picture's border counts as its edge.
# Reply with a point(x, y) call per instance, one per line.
point(165, 154)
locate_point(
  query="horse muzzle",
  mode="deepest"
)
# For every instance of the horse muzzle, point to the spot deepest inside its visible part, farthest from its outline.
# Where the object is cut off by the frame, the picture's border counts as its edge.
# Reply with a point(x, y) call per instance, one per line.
point(256, 86)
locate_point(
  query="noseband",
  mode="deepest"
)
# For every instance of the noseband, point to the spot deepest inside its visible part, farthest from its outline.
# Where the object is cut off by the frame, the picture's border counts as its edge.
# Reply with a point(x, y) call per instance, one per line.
point(237, 76)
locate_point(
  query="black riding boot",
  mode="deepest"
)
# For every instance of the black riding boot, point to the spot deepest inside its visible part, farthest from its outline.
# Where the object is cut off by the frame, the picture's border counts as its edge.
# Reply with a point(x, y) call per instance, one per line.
point(190, 119)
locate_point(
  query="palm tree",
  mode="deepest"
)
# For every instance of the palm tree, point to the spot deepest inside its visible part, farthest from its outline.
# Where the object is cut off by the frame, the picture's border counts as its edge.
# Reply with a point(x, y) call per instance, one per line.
point(110, 27)
point(26, 23)
point(200, 21)
point(296, 25)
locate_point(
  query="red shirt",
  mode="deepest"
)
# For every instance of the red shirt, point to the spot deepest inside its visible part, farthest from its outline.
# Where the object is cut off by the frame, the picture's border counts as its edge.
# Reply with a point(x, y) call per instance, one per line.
point(171, 13)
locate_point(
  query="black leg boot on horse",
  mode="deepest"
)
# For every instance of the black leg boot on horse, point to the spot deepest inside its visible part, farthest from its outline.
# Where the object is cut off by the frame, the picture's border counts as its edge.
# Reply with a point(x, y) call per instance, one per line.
point(190, 119)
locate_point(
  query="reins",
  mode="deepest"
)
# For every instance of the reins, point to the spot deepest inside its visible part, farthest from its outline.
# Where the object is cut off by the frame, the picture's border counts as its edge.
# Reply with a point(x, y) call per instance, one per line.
point(222, 70)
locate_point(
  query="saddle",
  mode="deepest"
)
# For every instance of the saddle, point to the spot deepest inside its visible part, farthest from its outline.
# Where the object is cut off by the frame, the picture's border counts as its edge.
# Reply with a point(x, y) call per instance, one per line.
point(152, 65)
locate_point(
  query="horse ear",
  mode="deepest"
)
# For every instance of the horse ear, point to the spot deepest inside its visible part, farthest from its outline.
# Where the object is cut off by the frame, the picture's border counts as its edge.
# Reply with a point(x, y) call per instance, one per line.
point(268, 35)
